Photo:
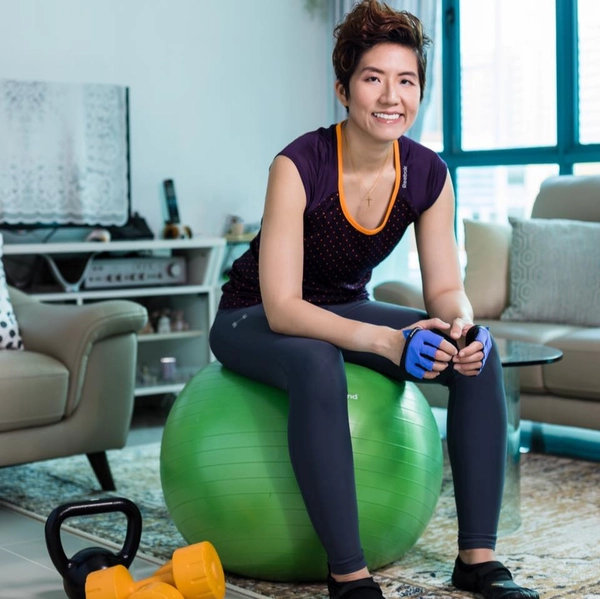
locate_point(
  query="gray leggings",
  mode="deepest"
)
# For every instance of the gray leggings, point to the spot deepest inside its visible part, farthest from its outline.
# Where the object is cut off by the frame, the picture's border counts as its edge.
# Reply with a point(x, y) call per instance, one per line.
point(312, 373)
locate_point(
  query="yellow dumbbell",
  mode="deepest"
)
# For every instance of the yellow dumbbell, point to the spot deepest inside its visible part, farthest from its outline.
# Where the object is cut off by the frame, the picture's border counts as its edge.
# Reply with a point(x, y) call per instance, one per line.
point(157, 590)
point(195, 572)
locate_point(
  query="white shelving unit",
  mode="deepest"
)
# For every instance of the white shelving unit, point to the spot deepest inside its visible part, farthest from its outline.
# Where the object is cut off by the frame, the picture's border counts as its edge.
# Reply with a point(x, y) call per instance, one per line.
point(196, 298)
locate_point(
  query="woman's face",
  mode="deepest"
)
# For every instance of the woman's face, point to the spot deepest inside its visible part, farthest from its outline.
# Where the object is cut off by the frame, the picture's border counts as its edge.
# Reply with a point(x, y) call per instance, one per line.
point(384, 92)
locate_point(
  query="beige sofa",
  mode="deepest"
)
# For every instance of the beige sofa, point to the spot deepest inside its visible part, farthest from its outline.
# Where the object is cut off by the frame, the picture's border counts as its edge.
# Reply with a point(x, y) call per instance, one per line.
point(539, 281)
point(71, 390)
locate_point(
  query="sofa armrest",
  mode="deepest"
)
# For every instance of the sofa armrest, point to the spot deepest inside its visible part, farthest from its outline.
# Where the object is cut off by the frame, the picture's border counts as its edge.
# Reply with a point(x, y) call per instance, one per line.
point(400, 292)
point(68, 332)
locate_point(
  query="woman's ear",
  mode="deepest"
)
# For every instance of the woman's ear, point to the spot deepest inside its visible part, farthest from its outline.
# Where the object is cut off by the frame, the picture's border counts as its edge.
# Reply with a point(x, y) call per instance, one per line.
point(340, 92)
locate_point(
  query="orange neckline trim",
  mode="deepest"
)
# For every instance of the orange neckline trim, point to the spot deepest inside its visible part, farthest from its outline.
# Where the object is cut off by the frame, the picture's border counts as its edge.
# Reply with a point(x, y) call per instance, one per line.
point(349, 217)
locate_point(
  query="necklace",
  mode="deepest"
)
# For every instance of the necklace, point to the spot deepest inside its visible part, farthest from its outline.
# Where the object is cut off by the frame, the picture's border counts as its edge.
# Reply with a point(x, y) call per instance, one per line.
point(368, 194)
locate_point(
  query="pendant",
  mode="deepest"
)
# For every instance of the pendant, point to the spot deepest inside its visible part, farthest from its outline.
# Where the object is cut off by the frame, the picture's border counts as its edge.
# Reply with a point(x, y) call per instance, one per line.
point(368, 201)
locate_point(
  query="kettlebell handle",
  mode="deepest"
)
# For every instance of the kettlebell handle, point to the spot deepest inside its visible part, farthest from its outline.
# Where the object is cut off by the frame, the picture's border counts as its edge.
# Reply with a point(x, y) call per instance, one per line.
point(87, 508)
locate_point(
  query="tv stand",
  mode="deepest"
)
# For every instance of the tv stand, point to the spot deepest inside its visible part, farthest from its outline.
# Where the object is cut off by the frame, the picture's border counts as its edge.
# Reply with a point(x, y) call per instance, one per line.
point(195, 299)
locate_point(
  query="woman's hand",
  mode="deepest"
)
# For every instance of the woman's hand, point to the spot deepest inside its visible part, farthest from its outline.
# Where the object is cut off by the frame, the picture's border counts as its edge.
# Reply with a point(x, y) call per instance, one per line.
point(425, 356)
point(475, 345)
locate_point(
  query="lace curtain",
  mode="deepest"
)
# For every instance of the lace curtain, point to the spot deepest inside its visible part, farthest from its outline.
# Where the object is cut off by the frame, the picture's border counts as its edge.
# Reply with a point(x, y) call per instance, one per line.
point(63, 153)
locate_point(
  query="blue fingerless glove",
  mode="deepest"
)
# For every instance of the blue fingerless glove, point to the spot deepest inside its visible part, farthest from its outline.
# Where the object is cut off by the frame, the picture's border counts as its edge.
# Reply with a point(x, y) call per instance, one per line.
point(418, 356)
point(481, 334)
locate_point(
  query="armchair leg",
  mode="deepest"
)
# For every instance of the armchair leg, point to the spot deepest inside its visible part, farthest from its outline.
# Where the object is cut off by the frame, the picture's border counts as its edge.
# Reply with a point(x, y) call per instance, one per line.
point(101, 467)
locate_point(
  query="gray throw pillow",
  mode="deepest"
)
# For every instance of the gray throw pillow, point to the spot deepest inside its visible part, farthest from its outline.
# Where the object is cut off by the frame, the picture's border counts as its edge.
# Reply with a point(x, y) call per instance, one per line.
point(554, 272)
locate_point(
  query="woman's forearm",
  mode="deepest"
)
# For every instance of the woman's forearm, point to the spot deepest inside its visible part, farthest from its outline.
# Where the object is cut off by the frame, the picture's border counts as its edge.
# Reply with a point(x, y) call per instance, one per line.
point(297, 317)
point(450, 305)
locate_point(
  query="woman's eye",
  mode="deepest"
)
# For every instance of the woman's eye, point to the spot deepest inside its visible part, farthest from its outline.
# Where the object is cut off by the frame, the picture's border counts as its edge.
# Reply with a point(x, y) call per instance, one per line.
point(372, 78)
point(407, 82)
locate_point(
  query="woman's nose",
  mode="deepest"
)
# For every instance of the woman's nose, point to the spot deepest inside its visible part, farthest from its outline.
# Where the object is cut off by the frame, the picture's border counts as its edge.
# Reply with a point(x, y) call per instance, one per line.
point(390, 94)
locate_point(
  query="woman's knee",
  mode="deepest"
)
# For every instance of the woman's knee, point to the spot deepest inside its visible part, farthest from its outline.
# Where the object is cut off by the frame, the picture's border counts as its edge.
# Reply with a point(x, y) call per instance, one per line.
point(487, 385)
point(317, 355)
point(318, 364)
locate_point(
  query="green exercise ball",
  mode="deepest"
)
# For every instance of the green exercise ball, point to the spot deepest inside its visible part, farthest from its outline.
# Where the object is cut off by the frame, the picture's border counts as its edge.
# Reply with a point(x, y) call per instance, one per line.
point(227, 478)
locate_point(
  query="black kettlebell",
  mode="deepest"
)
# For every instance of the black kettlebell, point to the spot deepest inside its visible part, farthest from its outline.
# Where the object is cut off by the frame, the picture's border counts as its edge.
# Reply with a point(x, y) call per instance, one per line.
point(75, 570)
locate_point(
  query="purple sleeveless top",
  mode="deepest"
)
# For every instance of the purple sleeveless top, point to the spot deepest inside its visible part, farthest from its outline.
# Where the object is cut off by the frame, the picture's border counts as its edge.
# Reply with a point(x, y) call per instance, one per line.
point(339, 254)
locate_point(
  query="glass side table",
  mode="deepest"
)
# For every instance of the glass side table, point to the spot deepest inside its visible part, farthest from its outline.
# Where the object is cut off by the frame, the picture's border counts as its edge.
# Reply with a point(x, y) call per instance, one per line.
point(514, 354)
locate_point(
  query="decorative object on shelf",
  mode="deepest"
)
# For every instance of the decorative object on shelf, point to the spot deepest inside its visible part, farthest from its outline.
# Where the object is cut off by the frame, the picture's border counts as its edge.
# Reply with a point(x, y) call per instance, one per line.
point(168, 368)
point(178, 323)
point(147, 330)
point(146, 376)
point(154, 316)
point(237, 227)
point(102, 235)
point(237, 231)
point(173, 228)
point(176, 231)
point(135, 228)
point(164, 323)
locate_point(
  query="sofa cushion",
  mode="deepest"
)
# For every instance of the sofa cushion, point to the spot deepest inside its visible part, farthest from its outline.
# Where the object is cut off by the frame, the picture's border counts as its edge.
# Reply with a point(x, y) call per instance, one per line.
point(533, 332)
point(554, 273)
point(10, 336)
point(34, 390)
point(486, 275)
point(532, 377)
point(576, 375)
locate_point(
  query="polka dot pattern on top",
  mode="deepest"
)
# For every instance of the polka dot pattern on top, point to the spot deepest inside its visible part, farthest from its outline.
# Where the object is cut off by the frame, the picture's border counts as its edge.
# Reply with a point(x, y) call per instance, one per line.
point(10, 337)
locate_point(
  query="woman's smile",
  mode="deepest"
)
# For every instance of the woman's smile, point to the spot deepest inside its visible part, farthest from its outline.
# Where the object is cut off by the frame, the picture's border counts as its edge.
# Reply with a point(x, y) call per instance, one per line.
point(388, 117)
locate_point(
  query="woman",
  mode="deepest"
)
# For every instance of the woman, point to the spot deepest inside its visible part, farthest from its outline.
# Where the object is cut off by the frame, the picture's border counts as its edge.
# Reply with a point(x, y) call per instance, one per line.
point(295, 308)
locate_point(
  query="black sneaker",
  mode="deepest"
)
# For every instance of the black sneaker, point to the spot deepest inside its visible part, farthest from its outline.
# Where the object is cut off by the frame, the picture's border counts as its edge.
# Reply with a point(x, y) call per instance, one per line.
point(364, 588)
point(492, 579)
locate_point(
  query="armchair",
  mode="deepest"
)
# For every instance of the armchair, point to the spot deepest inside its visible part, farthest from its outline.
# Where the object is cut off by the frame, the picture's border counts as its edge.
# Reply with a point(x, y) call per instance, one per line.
point(71, 390)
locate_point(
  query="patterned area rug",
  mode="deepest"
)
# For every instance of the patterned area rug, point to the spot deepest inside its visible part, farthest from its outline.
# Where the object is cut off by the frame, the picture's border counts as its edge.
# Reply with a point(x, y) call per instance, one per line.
point(556, 550)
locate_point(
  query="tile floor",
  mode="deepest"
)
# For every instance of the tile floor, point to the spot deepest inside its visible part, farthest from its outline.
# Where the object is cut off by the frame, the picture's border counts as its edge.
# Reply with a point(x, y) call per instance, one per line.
point(26, 570)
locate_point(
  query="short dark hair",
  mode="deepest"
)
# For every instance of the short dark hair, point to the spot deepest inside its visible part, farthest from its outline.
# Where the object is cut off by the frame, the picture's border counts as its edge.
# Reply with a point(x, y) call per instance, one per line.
point(369, 23)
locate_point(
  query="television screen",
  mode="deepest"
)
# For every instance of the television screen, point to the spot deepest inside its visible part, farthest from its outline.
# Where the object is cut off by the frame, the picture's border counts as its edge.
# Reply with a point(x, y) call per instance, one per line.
point(64, 154)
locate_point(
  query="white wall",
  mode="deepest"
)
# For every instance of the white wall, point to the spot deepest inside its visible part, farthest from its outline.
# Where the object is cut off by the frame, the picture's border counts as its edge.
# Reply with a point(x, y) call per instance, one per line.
point(217, 88)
